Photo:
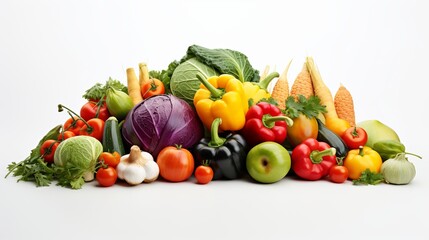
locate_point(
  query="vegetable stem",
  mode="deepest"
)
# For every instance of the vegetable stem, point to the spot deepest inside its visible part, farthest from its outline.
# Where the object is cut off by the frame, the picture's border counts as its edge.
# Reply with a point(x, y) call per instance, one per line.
point(412, 154)
point(216, 141)
point(361, 151)
point(269, 121)
point(263, 84)
point(216, 93)
point(60, 109)
point(317, 156)
point(99, 105)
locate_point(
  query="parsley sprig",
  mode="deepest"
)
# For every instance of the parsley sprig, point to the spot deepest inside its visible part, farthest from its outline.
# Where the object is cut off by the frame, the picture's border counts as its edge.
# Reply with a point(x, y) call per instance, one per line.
point(368, 177)
point(34, 168)
point(310, 107)
point(98, 91)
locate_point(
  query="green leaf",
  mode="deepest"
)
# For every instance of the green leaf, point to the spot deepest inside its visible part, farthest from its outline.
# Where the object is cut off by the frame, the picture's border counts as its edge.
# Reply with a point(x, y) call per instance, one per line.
point(34, 168)
point(368, 177)
point(225, 61)
point(95, 92)
point(310, 107)
point(98, 91)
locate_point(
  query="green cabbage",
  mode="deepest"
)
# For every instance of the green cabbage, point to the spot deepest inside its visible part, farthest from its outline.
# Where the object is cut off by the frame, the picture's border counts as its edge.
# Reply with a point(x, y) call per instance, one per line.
point(75, 160)
point(184, 82)
point(225, 61)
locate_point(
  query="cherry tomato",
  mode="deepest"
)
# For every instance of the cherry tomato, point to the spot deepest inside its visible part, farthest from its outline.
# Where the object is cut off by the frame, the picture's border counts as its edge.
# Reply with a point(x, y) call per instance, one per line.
point(106, 177)
point(73, 124)
point(110, 159)
point(337, 125)
point(203, 174)
point(95, 128)
point(355, 137)
point(151, 88)
point(89, 110)
point(302, 128)
point(66, 134)
point(338, 174)
point(47, 150)
point(176, 164)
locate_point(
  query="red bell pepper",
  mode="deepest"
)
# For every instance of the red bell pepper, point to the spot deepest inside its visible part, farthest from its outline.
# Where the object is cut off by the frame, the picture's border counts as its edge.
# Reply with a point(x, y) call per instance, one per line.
point(312, 160)
point(265, 122)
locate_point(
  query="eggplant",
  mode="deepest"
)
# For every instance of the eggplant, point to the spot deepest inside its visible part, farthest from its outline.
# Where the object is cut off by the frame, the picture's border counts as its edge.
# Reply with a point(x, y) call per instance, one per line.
point(324, 134)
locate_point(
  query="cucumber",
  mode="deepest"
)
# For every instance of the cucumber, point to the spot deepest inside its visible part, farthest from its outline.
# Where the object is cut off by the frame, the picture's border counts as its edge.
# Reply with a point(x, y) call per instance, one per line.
point(112, 138)
point(326, 135)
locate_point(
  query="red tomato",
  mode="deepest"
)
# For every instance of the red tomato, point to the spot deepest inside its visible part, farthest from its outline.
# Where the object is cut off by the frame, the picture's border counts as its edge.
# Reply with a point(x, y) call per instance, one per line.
point(73, 124)
point(338, 174)
point(106, 177)
point(66, 134)
point(354, 137)
point(47, 150)
point(110, 159)
point(176, 164)
point(151, 88)
point(95, 128)
point(203, 174)
point(89, 111)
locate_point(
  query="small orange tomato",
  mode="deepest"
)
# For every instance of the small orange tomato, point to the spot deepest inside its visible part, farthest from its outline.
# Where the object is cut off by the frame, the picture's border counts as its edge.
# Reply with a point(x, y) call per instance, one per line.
point(176, 164)
point(337, 125)
point(110, 159)
point(47, 150)
point(66, 134)
point(106, 177)
point(151, 88)
point(204, 174)
point(73, 124)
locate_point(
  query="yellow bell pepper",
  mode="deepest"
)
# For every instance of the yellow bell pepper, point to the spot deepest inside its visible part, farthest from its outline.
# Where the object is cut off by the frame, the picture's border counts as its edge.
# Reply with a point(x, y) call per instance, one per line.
point(358, 160)
point(258, 91)
point(221, 97)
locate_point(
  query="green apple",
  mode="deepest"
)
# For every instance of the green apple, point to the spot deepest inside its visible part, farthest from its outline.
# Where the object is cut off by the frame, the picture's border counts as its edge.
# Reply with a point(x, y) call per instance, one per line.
point(268, 162)
point(377, 131)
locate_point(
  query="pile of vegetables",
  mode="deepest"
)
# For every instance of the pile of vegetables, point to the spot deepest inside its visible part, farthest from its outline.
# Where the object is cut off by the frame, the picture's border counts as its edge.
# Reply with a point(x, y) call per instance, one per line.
point(210, 115)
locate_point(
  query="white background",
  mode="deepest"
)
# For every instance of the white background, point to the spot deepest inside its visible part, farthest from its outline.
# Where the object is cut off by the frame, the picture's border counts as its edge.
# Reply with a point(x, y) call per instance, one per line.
point(52, 51)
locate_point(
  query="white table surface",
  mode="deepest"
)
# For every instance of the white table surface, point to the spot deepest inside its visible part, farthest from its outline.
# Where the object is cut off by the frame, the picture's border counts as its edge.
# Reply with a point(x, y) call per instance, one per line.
point(52, 51)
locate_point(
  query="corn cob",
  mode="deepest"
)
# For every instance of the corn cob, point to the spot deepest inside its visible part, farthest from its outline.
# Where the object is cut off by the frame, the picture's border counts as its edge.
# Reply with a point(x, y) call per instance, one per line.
point(344, 106)
point(281, 89)
point(302, 84)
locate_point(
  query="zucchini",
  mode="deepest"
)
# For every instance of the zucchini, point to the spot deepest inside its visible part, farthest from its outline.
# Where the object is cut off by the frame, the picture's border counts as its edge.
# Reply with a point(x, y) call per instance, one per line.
point(112, 138)
point(326, 135)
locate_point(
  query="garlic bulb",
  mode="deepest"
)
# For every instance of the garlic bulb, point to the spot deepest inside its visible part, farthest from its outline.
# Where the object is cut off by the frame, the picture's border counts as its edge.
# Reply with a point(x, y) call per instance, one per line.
point(398, 170)
point(137, 167)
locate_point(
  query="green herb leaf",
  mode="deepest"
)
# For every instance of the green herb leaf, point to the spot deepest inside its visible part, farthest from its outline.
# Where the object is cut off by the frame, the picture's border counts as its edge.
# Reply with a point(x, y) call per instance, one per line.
point(69, 176)
point(98, 91)
point(269, 100)
point(368, 177)
point(34, 168)
point(310, 107)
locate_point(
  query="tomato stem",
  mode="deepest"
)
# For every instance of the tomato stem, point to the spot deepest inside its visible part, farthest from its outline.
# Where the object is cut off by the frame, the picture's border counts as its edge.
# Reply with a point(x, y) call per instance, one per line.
point(60, 109)
point(355, 133)
point(99, 105)
point(153, 87)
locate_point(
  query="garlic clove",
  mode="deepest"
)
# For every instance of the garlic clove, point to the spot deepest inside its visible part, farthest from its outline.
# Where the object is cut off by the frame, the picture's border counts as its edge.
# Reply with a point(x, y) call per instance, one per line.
point(152, 171)
point(134, 174)
point(120, 168)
